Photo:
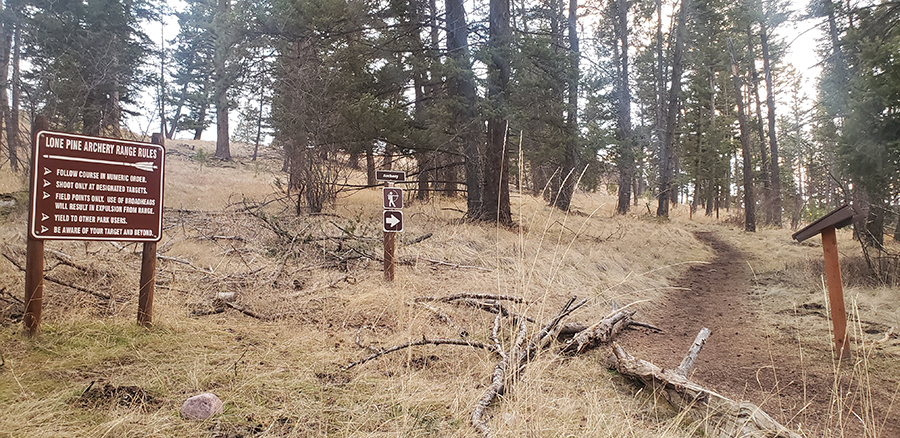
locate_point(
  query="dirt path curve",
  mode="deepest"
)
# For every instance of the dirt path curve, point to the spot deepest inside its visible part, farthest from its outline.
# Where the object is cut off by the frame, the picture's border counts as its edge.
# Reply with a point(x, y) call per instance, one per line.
point(741, 359)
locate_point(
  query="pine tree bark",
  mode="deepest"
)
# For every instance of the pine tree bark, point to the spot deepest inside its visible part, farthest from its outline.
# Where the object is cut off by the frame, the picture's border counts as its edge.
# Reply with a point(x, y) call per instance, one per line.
point(775, 176)
point(220, 92)
point(623, 112)
point(5, 51)
point(462, 88)
point(496, 206)
point(749, 200)
point(570, 161)
point(665, 153)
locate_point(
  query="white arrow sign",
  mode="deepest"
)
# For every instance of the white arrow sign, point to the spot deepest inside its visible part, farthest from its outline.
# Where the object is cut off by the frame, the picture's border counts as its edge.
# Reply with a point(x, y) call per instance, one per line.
point(46, 171)
point(44, 217)
point(393, 221)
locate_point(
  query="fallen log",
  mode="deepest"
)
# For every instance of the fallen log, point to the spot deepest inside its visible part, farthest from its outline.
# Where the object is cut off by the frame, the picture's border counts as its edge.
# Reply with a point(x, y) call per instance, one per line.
point(715, 414)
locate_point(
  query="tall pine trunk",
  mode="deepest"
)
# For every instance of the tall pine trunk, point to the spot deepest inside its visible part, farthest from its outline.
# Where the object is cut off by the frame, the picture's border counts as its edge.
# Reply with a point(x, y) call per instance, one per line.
point(774, 214)
point(220, 92)
point(461, 88)
point(665, 152)
point(749, 200)
point(623, 111)
point(496, 206)
point(570, 160)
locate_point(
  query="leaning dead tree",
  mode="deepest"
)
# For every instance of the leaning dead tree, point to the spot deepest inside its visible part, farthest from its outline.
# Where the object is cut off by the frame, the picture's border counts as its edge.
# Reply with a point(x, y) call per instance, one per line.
point(716, 415)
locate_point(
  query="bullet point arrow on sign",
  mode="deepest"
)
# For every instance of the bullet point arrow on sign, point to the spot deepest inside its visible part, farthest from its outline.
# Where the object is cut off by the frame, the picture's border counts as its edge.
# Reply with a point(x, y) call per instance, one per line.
point(46, 171)
point(44, 217)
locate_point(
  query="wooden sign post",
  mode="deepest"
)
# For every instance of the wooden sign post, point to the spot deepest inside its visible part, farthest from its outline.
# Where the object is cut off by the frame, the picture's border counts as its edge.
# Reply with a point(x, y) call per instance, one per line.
point(826, 226)
point(92, 188)
point(392, 217)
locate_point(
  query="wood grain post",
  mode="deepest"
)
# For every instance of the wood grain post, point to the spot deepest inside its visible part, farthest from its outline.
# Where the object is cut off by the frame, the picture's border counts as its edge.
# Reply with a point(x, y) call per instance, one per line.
point(389, 243)
point(148, 280)
point(835, 292)
point(34, 251)
point(148, 269)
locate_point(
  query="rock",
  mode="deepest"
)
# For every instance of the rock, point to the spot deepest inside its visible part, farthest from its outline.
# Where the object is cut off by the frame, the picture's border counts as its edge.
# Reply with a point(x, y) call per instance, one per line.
point(201, 407)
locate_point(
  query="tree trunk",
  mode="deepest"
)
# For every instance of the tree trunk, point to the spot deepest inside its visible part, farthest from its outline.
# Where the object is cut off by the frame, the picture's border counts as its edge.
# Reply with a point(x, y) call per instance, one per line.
point(370, 166)
point(462, 88)
point(665, 152)
point(5, 50)
point(623, 111)
point(496, 206)
point(570, 161)
point(775, 184)
point(223, 146)
point(198, 132)
point(749, 201)
point(763, 148)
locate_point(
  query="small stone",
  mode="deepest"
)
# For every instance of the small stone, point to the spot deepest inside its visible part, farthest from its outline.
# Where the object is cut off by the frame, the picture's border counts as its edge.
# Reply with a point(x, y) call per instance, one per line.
point(201, 407)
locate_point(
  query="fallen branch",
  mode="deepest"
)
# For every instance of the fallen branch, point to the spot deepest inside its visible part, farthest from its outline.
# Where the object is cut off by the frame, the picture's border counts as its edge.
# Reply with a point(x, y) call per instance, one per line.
point(515, 361)
point(443, 263)
point(60, 282)
point(348, 278)
point(249, 312)
point(423, 341)
point(600, 333)
point(717, 415)
point(475, 296)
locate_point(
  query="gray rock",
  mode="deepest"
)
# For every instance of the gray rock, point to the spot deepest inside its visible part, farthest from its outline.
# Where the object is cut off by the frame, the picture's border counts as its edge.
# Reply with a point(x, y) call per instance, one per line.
point(201, 407)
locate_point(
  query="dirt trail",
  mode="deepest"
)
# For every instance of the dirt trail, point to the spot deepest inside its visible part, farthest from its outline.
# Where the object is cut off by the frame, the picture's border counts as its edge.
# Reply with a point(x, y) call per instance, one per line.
point(741, 359)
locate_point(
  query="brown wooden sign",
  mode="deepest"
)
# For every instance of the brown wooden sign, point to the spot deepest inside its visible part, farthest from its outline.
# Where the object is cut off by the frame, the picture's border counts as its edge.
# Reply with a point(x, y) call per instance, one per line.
point(92, 188)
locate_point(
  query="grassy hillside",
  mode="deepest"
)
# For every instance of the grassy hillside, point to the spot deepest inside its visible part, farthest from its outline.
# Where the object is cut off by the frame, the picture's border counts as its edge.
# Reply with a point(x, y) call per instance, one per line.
point(309, 298)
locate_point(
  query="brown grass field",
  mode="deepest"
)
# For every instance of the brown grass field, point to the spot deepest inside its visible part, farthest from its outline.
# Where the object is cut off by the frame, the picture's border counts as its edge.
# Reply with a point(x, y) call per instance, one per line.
point(310, 298)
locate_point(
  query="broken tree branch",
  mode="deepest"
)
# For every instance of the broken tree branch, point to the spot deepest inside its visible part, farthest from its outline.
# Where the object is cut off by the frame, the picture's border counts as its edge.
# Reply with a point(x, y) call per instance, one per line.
point(717, 415)
point(422, 341)
point(688, 362)
point(515, 361)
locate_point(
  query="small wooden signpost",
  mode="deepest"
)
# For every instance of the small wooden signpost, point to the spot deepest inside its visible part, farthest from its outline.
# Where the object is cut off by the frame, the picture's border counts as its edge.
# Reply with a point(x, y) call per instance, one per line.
point(826, 226)
point(392, 218)
point(92, 188)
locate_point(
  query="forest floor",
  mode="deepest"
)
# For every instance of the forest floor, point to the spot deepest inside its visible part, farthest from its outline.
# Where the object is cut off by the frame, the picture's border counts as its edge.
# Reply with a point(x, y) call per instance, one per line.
point(745, 359)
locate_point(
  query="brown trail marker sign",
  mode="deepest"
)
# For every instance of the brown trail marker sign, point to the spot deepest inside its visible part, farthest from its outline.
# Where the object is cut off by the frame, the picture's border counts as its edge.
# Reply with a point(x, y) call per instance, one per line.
point(825, 226)
point(93, 188)
point(392, 218)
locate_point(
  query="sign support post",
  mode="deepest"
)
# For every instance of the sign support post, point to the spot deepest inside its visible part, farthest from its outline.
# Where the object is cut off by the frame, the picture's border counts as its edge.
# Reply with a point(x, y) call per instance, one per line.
point(389, 246)
point(826, 226)
point(34, 253)
point(835, 291)
point(148, 269)
point(392, 217)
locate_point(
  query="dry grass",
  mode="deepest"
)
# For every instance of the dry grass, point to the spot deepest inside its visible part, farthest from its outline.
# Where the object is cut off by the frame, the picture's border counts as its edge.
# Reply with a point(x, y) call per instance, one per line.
point(316, 277)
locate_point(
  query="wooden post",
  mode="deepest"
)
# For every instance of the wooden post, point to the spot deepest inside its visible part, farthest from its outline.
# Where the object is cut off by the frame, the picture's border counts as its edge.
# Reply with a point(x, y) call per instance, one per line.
point(148, 280)
point(389, 255)
point(148, 270)
point(34, 252)
point(389, 244)
point(835, 292)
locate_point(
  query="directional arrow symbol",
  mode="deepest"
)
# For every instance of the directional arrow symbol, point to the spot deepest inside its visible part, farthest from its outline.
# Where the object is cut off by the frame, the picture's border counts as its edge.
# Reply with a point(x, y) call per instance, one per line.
point(44, 217)
point(46, 195)
point(392, 221)
point(43, 229)
point(46, 171)
point(46, 183)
